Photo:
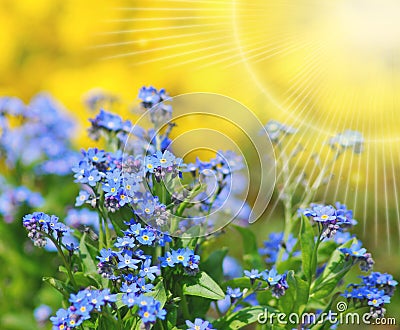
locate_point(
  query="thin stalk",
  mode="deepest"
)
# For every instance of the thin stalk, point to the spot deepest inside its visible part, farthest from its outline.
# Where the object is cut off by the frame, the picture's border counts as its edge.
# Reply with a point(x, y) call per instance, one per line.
point(66, 263)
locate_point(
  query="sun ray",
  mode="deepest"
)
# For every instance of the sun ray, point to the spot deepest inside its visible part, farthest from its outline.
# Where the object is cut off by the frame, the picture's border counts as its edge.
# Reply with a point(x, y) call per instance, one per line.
point(251, 50)
point(179, 45)
point(169, 37)
point(163, 28)
point(201, 58)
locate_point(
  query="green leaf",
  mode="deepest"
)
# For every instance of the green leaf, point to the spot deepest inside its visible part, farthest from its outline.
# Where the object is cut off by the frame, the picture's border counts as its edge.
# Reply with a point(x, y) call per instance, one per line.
point(239, 282)
point(65, 289)
point(242, 318)
point(336, 268)
point(307, 247)
point(213, 264)
point(172, 316)
point(83, 280)
point(203, 285)
point(251, 257)
point(296, 297)
point(88, 265)
point(159, 293)
point(190, 237)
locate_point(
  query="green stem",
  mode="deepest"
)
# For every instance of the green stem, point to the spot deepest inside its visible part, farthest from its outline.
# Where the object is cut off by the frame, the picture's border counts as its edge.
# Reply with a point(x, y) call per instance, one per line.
point(183, 304)
point(63, 257)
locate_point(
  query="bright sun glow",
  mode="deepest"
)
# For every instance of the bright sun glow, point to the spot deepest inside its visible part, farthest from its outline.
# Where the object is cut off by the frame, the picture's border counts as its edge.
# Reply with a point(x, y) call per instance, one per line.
point(331, 64)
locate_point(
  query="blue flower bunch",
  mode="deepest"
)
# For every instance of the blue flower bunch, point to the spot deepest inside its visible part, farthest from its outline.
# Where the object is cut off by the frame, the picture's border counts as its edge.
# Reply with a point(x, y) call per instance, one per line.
point(12, 198)
point(83, 304)
point(41, 226)
point(38, 134)
point(143, 256)
point(375, 291)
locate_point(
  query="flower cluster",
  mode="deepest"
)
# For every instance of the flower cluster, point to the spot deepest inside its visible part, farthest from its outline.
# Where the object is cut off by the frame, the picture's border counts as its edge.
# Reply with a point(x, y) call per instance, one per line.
point(149, 309)
point(184, 257)
point(199, 324)
point(11, 198)
point(83, 304)
point(116, 265)
point(348, 140)
point(359, 254)
point(40, 225)
point(374, 291)
point(277, 282)
point(332, 219)
point(106, 122)
point(42, 136)
point(153, 100)
point(276, 130)
point(160, 164)
point(275, 243)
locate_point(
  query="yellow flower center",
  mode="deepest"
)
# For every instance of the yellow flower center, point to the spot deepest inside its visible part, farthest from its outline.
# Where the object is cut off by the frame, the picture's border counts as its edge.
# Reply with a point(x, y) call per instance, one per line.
point(180, 258)
point(83, 308)
point(146, 314)
point(324, 217)
point(163, 160)
point(145, 237)
point(113, 189)
point(128, 187)
point(95, 158)
point(374, 301)
point(147, 210)
point(270, 279)
point(149, 166)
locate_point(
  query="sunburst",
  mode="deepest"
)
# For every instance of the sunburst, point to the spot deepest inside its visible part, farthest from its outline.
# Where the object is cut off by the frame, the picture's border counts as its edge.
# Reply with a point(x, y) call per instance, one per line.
point(326, 66)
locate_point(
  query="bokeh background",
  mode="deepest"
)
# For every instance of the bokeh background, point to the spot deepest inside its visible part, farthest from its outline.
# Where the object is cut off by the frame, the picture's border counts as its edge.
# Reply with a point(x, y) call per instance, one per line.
point(320, 66)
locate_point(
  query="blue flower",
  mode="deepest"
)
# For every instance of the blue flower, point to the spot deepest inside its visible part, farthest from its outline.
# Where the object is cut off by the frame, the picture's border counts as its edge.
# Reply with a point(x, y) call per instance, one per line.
point(146, 237)
point(126, 260)
point(252, 275)
point(125, 242)
point(149, 309)
point(93, 177)
point(164, 160)
point(143, 286)
point(95, 155)
point(123, 198)
point(150, 96)
point(234, 293)
point(167, 261)
point(147, 270)
point(348, 139)
point(181, 256)
point(199, 324)
point(356, 250)
point(106, 255)
point(82, 198)
point(107, 121)
point(275, 130)
point(42, 314)
point(111, 188)
point(129, 299)
point(272, 276)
